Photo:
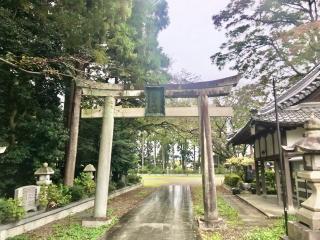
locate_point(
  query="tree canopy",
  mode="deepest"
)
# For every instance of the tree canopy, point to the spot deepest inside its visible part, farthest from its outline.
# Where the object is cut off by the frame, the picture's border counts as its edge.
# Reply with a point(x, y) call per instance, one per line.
point(269, 38)
point(44, 46)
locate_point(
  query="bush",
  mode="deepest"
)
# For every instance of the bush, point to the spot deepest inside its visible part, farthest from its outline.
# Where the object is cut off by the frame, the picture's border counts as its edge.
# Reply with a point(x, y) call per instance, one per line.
point(112, 186)
point(10, 210)
point(77, 193)
point(144, 170)
point(157, 170)
point(270, 178)
point(88, 184)
point(220, 169)
point(178, 170)
point(120, 184)
point(232, 179)
point(54, 196)
point(133, 179)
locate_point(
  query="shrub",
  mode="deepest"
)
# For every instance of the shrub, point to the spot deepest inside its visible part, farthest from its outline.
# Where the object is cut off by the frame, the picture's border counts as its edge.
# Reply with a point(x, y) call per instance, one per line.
point(157, 170)
point(220, 169)
point(10, 210)
point(77, 193)
point(54, 196)
point(120, 184)
point(178, 170)
point(144, 170)
point(270, 178)
point(112, 186)
point(232, 179)
point(133, 179)
point(87, 183)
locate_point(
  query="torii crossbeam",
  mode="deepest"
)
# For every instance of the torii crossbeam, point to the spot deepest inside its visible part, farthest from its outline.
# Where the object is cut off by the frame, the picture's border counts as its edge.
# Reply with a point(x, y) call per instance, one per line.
point(201, 90)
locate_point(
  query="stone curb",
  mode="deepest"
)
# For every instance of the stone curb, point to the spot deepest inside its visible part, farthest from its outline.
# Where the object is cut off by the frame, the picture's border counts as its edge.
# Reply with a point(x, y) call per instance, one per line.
point(36, 221)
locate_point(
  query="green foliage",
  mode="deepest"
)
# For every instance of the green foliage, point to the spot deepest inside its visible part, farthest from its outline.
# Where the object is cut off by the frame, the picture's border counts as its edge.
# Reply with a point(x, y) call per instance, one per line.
point(54, 196)
point(269, 38)
point(133, 179)
point(269, 233)
point(44, 46)
point(112, 186)
point(270, 181)
point(220, 169)
point(75, 232)
point(224, 208)
point(77, 193)
point(232, 179)
point(10, 210)
point(88, 184)
point(239, 161)
point(227, 211)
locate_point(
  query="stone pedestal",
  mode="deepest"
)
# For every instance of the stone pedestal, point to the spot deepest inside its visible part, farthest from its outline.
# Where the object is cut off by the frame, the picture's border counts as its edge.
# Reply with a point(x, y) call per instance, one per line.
point(308, 225)
point(298, 231)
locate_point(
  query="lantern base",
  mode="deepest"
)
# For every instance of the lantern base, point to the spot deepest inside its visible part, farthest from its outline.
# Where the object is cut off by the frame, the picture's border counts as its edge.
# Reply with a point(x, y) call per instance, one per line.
point(309, 218)
point(298, 231)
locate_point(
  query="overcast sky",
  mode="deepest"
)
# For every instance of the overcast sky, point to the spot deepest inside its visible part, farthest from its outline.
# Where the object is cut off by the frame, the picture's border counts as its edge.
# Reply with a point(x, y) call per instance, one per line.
point(191, 38)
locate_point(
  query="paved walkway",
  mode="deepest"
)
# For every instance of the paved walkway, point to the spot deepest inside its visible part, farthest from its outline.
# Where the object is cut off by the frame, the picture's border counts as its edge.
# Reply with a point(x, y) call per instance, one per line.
point(248, 214)
point(165, 215)
point(268, 205)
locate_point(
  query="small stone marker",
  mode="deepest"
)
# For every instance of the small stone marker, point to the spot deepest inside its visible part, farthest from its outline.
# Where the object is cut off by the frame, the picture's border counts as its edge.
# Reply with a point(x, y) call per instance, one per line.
point(28, 197)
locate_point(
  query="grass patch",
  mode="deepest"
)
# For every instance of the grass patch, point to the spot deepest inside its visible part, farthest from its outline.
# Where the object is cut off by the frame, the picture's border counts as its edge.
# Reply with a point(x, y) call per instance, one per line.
point(269, 233)
point(77, 232)
point(211, 236)
point(73, 231)
point(230, 214)
point(153, 181)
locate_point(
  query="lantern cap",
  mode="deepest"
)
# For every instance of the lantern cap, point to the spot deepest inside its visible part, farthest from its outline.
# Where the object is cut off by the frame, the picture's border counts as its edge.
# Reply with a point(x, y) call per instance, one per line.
point(89, 168)
point(45, 170)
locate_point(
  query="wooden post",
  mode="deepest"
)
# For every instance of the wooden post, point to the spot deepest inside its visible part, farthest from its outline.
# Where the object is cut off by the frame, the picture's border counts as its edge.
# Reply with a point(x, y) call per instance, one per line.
point(208, 183)
point(288, 182)
point(263, 177)
point(100, 203)
point(256, 165)
point(73, 141)
point(278, 182)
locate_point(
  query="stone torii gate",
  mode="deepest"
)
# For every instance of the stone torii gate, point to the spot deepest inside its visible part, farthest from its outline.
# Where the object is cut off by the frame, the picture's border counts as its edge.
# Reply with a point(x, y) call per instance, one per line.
point(111, 92)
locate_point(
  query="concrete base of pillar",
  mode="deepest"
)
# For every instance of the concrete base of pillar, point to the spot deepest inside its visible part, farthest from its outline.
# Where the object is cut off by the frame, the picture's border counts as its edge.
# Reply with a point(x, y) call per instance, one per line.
point(212, 225)
point(95, 222)
point(298, 231)
point(310, 218)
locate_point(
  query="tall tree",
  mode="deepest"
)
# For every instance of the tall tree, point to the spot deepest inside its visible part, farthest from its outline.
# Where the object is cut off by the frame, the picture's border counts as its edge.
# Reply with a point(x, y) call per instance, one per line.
point(269, 38)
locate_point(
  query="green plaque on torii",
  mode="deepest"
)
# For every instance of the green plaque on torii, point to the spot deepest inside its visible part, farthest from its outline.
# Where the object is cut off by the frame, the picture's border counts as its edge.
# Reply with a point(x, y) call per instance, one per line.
point(155, 101)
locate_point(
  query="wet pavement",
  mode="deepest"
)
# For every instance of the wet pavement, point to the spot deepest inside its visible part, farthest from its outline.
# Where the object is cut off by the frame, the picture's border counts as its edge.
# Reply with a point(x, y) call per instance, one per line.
point(164, 215)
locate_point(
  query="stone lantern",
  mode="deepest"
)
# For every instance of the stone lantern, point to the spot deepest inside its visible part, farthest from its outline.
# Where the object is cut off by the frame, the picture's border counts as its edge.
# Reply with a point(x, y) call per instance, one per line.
point(307, 226)
point(44, 174)
point(90, 170)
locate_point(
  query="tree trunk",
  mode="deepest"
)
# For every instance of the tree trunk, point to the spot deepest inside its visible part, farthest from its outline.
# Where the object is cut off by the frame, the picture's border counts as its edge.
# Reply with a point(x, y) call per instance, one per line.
point(73, 142)
point(142, 151)
point(155, 153)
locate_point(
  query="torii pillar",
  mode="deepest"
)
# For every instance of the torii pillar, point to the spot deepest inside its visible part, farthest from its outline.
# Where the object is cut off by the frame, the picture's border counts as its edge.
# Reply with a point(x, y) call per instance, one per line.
point(207, 164)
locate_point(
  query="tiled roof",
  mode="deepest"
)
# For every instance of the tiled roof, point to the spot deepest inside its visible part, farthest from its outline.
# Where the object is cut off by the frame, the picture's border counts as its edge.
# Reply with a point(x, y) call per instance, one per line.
point(294, 115)
point(298, 92)
point(293, 111)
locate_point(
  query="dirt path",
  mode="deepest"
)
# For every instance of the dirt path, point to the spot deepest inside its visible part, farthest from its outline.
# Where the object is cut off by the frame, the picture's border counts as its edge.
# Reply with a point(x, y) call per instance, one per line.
point(166, 214)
